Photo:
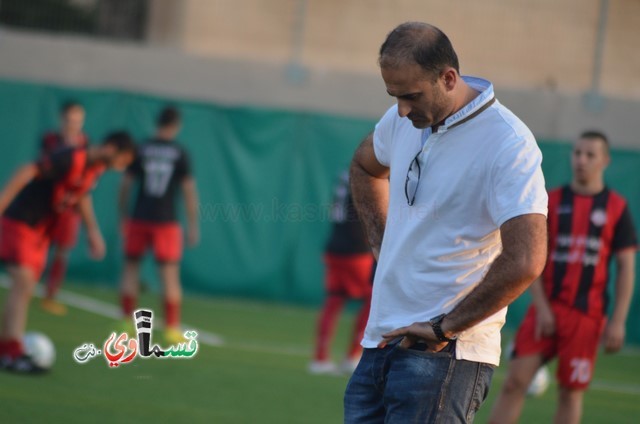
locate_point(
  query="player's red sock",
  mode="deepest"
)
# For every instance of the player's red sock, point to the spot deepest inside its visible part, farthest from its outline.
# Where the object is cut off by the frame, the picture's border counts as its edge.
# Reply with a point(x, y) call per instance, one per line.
point(56, 275)
point(11, 347)
point(171, 313)
point(326, 325)
point(358, 330)
point(128, 303)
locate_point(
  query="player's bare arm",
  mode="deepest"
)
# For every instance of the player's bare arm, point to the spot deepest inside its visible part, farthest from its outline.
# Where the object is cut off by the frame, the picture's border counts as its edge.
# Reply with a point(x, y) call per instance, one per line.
point(191, 206)
point(370, 191)
point(97, 246)
point(614, 335)
point(20, 179)
point(524, 250)
point(545, 321)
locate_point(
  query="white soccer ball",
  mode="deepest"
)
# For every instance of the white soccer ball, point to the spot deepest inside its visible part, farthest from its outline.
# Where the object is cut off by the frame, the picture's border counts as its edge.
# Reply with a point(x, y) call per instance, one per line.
point(40, 348)
point(540, 382)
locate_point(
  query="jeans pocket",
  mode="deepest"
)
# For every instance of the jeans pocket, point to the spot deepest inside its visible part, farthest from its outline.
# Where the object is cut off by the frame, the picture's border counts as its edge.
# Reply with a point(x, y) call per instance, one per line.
point(480, 389)
point(420, 349)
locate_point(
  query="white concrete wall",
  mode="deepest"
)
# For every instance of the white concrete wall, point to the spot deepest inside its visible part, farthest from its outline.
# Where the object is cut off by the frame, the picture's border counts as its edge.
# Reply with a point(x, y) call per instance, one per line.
point(521, 44)
point(170, 72)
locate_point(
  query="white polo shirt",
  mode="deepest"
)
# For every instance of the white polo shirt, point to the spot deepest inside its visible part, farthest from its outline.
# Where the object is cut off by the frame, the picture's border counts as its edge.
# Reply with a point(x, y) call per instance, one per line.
point(477, 172)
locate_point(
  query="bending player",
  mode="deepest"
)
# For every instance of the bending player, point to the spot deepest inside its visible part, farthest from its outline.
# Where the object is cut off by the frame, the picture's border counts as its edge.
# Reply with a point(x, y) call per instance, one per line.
point(30, 203)
point(160, 169)
point(64, 233)
point(588, 224)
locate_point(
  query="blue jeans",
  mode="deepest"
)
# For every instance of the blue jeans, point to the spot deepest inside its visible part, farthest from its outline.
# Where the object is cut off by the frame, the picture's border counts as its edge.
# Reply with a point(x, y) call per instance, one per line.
point(398, 385)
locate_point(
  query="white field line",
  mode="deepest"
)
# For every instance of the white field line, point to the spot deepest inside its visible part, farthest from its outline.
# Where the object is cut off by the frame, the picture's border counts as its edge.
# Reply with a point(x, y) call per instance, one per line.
point(623, 388)
point(108, 310)
point(596, 385)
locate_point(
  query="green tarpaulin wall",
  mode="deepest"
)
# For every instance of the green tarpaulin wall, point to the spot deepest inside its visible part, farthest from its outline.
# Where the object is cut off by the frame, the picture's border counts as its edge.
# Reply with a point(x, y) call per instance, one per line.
point(265, 179)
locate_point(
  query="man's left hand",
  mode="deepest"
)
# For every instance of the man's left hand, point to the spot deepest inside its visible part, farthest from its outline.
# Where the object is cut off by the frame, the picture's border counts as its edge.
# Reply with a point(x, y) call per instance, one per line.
point(412, 334)
point(613, 337)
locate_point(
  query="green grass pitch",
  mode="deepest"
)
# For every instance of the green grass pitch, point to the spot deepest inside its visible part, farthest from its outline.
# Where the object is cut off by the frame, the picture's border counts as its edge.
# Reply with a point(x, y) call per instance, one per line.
point(258, 376)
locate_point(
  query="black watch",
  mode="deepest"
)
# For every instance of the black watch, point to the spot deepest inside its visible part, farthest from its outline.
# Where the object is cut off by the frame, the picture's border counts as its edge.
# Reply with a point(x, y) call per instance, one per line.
point(435, 324)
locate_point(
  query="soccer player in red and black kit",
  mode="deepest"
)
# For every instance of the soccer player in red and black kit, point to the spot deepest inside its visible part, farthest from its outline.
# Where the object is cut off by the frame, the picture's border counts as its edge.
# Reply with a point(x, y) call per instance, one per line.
point(588, 225)
point(64, 233)
point(350, 265)
point(162, 168)
point(30, 204)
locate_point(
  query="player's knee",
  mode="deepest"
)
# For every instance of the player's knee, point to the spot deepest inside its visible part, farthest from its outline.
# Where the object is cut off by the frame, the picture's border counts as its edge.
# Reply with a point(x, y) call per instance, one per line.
point(24, 290)
point(570, 396)
point(515, 385)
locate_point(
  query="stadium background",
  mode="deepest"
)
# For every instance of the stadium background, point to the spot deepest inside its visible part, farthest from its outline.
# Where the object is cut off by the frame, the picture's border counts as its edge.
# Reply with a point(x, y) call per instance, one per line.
point(277, 94)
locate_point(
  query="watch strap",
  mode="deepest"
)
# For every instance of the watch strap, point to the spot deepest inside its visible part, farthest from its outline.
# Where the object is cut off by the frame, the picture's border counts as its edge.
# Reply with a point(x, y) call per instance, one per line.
point(437, 330)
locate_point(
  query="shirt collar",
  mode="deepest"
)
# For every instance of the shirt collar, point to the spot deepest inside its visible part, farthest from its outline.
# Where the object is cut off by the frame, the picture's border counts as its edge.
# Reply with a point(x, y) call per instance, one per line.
point(486, 95)
point(485, 99)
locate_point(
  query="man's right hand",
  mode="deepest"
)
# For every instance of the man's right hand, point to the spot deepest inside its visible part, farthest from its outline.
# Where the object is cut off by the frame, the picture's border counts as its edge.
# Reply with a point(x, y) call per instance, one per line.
point(545, 322)
point(412, 334)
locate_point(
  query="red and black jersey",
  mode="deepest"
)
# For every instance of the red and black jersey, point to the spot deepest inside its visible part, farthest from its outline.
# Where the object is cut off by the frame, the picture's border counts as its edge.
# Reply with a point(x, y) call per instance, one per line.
point(584, 231)
point(53, 141)
point(64, 177)
point(347, 233)
point(160, 166)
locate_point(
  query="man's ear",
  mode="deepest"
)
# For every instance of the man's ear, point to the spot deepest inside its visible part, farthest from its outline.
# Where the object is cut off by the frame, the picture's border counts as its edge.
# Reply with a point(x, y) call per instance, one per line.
point(607, 161)
point(450, 78)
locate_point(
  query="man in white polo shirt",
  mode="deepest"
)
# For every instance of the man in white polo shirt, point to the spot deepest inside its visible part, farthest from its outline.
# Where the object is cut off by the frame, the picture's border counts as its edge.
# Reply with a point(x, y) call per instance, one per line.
point(450, 190)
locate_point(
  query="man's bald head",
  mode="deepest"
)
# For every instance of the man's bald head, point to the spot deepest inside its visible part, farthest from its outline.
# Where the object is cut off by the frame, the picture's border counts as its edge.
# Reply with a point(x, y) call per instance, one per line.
point(418, 43)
